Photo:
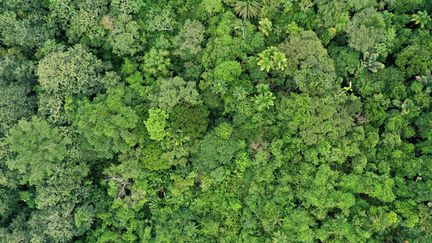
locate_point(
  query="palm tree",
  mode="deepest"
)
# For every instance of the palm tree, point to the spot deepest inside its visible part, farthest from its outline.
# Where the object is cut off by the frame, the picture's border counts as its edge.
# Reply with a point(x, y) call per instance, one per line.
point(422, 18)
point(271, 58)
point(425, 79)
point(265, 62)
point(265, 98)
point(247, 9)
point(370, 62)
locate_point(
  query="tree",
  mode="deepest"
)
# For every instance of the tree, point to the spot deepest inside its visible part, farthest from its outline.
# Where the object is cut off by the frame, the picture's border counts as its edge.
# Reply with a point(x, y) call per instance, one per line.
point(152, 157)
point(108, 122)
point(36, 146)
point(322, 186)
point(308, 64)
point(413, 58)
point(212, 6)
point(156, 124)
point(124, 34)
point(191, 121)
point(81, 20)
point(230, 39)
point(421, 18)
point(9, 203)
point(156, 62)
point(58, 212)
point(265, 25)
point(299, 225)
point(126, 7)
point(213, 153)
point(16, 69)
point(247, 9)
point(224, 130)
point(224, 76)
point(16, 79)
point(15, 104)
point(312, 117)
point(171, 91)
point(25, 25)
point(370, 62)
point(346, 60)
point(215, 121)
point(334, 14)
point(366, 29)
point(189, 40)
point(73, 72)
point(161, 19)
point(264, 99)
point(271, 58)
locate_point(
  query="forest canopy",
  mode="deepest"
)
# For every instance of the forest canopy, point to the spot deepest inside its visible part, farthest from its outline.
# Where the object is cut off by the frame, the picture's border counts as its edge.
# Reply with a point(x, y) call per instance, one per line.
point(215, 121)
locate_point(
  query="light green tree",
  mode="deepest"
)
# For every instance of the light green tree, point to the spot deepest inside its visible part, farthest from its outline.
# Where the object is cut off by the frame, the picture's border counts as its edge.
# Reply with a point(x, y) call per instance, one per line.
point(156, 124)
point(421, 18)
point(272, 59)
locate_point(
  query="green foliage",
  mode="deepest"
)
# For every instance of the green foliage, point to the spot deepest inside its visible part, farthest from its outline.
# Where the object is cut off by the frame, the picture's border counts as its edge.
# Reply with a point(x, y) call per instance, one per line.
point(212, 6)
point(124, 36)
point(151, 157)
point(156, 62)
point(14, 105)
point(247, 9)
point(308, 63)
point(25, 24)
point(108, 122)
point(421, 18)
point(334, 14)
point(265, 25)
point(16, 78)
point(191, 121)
point(224, 130)
point(346, 60)
point(58, 212)
point(230, 39)
point(215, 121)
point(370, 62)
point(170, 92)
point(81, 20)
point(9, 200)
point(214, 152)
point(413, 59)
point(156, 124)
point(264, 99)
point(189, 40)
point(272, 58)
point(225, 74)
point(366, 29)
point(371, 185)
point(161, 19)
point(36, 147)
point(71, 72)
point(15, 68)
point(67, 73)
point(311, 119)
